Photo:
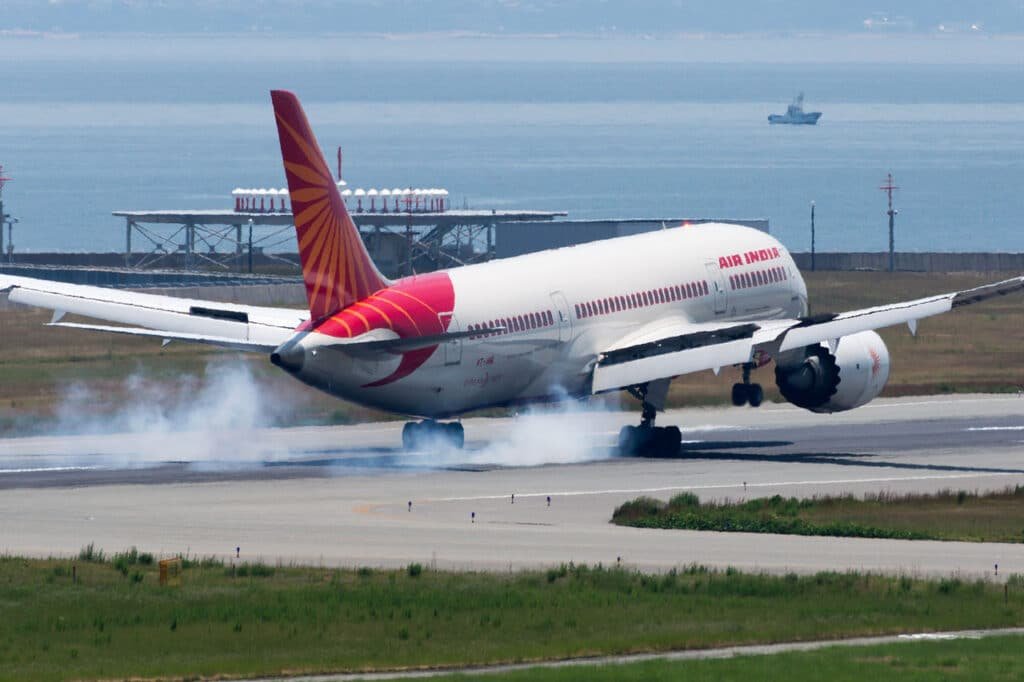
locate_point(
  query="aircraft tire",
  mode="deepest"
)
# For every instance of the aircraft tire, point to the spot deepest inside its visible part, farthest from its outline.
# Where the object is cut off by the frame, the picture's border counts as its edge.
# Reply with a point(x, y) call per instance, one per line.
point(628, 440)
point(658, 441)
point(739, 395)
point(755, 395)
point(456, 434)
point(411, 435)
point(671, 440)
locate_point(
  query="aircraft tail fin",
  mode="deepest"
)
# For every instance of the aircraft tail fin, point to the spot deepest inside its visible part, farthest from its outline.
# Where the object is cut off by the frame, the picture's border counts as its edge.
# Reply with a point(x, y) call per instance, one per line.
point(336, 267)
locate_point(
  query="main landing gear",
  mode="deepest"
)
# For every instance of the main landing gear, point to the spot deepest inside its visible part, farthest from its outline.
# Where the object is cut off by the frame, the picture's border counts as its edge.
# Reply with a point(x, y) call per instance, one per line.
point(429, 433)
point(747, 392)
point(648, 440)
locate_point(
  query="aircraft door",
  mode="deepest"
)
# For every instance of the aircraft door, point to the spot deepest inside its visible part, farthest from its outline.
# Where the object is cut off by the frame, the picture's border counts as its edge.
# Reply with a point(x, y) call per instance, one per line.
point(719, 293)
point(453, 347)
point(563, 320)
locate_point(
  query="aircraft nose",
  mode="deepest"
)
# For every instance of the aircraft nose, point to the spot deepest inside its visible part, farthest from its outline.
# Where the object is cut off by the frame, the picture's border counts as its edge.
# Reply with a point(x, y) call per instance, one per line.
point(289, 357)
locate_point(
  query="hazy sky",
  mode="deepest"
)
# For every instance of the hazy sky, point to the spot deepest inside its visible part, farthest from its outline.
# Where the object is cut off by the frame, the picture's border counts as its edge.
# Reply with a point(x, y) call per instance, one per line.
point(513, 16)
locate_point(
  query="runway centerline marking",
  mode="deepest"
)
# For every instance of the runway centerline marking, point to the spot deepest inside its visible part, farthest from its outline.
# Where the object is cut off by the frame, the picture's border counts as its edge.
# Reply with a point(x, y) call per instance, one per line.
point(994, 428)
point(36, 470)
point(717, 486)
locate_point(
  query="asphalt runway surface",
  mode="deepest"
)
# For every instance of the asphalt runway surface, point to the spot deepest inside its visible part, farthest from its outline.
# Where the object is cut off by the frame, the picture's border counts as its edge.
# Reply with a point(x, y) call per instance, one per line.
point(340, 495)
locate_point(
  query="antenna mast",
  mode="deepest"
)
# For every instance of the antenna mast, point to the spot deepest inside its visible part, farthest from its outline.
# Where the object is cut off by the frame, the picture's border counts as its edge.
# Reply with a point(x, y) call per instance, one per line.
point(3, 181)
point(888, 188)
point(3, 216)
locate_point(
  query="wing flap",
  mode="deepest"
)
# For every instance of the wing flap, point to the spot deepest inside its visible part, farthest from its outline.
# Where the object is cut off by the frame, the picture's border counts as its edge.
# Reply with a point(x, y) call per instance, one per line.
point(672, 364)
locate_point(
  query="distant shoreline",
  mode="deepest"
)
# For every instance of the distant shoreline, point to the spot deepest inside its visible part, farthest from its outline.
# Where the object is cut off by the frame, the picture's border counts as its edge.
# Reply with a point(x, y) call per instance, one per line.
point(929, 47)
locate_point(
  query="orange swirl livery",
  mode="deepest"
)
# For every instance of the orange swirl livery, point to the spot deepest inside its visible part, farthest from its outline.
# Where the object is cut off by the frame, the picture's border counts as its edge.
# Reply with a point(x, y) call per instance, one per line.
point(336, 267)
point(411, 307)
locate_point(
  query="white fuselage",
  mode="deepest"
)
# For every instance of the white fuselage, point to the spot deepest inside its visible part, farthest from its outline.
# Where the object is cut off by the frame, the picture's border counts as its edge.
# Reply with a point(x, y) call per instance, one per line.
point(564, 307)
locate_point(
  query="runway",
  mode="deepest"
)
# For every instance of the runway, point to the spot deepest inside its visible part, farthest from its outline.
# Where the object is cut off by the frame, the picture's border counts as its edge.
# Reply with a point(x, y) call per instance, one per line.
point(340, 495)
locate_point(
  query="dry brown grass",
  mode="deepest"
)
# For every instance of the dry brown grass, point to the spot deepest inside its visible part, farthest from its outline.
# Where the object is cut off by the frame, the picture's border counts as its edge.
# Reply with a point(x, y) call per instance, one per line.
point(977, 348)
point(947, 515)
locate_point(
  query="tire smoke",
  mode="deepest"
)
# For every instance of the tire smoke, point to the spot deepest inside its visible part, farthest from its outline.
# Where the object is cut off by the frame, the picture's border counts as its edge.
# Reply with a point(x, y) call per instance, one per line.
point(564, 432)
point(212, 420)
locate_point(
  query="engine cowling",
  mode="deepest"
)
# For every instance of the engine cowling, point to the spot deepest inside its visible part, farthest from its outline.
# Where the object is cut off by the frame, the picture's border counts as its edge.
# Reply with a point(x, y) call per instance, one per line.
point(823, 381)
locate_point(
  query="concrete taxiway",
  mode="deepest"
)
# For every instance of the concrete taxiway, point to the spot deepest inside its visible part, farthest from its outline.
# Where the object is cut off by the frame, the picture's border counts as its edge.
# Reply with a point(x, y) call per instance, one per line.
point(341, 495)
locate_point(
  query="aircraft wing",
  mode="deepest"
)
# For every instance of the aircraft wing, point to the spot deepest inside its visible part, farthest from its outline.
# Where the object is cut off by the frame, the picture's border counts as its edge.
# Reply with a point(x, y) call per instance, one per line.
point(230, 325)
point(680, 349)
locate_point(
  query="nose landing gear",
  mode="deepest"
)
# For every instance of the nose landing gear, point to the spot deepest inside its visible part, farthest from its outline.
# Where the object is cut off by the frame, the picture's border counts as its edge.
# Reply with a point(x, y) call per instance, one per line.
point(648, 440)
point(429, 433)
point(747, 392)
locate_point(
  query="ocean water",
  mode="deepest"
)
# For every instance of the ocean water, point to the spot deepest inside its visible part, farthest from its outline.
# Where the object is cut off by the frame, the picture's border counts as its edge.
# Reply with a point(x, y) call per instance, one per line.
point(85, 135)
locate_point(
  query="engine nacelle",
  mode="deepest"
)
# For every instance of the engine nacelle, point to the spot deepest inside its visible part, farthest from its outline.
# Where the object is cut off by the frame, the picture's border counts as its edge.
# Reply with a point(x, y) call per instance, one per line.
point(822, 381)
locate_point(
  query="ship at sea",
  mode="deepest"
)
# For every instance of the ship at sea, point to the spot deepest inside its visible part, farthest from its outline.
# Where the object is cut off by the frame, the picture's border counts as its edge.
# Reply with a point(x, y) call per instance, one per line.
point(795, 114)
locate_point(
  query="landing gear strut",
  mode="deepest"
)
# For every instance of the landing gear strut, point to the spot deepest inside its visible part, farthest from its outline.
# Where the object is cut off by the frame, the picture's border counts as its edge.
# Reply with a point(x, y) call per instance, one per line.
point(429, 433)
point(747, 392)
point(647, 439)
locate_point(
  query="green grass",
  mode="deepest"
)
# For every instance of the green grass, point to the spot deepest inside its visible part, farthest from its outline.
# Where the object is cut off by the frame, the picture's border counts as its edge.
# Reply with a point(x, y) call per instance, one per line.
point(947, 515)
point(990, 658)
point(116, 621)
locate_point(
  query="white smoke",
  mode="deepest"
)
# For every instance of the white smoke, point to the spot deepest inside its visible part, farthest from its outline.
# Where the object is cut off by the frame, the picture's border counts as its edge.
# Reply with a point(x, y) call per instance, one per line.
point(221, 420)
point(213, 419)
point(564, 432)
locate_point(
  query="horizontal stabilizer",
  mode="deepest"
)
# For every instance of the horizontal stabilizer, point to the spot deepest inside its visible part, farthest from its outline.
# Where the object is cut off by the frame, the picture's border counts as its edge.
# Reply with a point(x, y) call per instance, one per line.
point(225, 324)
point(221, 341)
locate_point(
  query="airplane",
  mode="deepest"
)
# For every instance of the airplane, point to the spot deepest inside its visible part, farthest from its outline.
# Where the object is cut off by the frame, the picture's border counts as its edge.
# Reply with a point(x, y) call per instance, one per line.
point(629, 313)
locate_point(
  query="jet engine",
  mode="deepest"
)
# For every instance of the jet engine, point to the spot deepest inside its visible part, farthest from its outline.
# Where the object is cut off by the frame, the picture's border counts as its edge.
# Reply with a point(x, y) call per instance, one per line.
point(819, 379)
